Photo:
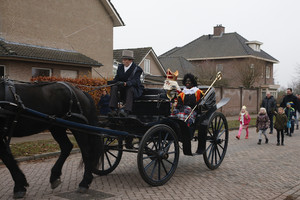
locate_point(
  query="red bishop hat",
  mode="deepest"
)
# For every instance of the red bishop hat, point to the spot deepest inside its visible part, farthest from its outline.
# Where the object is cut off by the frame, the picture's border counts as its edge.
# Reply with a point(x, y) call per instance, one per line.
point(171, 75)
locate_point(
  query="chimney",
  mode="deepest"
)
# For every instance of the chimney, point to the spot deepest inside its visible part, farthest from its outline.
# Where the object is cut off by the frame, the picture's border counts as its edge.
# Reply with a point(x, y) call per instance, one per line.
point(219, 30)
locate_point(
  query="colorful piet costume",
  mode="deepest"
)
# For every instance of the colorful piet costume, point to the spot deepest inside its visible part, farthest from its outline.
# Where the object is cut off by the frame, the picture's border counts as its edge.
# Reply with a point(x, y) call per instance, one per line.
point(188, 99)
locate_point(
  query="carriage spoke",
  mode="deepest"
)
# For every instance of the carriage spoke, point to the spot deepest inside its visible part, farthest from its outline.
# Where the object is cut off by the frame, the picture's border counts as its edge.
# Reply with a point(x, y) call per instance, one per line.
point(221, 146)
point(219, 128)
point(159, 162)
point(164, 167)
point(170, 142)
point(221, 133)
point(112, 154)
point(208, 131)
point(153, 170)
point(212, 152)
point(149, 164)
point(165, 139)
point(209, 147)
point(107, 158)
point(219, 124)
point(216, 158)
point(218, 152)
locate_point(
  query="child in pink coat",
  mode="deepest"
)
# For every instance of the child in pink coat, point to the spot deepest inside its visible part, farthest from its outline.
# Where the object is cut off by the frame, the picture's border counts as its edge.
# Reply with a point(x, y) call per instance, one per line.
point(244, 119)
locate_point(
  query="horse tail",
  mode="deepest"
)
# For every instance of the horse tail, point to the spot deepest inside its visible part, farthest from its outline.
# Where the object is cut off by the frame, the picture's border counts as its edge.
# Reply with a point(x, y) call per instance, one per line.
point(95, 141)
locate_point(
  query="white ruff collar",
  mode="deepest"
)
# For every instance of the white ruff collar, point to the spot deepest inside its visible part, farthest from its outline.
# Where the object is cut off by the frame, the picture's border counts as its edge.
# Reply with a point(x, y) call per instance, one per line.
point(193, 90)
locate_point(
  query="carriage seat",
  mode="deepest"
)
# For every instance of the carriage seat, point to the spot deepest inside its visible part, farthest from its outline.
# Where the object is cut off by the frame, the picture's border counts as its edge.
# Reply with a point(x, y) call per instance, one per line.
point(154, 101)
point(153, 94)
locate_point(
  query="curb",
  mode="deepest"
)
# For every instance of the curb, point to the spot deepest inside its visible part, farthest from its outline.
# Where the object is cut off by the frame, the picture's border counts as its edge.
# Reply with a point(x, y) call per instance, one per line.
point(41, 156)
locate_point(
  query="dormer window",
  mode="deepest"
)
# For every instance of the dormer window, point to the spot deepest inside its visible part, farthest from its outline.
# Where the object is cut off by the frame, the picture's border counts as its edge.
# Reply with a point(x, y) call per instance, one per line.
point(255, 45)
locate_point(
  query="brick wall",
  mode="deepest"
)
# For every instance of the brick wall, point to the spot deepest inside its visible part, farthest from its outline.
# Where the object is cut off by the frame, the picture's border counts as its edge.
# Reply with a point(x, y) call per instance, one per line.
point(232, 69)
point(22, 71)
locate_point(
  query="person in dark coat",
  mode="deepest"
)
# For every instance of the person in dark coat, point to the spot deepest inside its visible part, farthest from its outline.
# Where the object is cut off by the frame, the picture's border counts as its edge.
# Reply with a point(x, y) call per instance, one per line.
point(129, 84)
point(290, 98)
point(269, 103)
point(103, 103)
point(280, 124)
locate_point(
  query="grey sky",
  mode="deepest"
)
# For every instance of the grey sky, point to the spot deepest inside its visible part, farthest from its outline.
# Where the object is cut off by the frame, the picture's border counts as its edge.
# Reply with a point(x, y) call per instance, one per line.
point(164, 24)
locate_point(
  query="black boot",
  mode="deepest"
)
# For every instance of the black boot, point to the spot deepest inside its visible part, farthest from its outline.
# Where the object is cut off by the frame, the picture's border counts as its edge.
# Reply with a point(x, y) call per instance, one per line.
point(259, 141)
point(297, 127)
point(267, 140)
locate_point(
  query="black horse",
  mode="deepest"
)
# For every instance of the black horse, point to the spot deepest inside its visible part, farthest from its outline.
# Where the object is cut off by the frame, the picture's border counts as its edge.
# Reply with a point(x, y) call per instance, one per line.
point(56, 99)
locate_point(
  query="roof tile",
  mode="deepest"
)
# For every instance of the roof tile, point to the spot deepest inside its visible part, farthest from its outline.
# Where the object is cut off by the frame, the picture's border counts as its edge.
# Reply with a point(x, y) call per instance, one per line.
point(26, 51)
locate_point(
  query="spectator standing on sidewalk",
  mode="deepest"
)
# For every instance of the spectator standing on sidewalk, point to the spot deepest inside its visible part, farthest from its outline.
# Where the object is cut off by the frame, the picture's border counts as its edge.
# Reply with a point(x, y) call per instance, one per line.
point(269, 103)
point(244, 119)
point(297, 112)
point(280, 124)
point(262, 124)
point(290, 97)
point(291, 115)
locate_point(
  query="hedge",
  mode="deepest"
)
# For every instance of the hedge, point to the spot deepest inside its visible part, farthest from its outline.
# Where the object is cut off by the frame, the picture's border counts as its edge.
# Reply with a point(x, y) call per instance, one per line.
point(84, 83)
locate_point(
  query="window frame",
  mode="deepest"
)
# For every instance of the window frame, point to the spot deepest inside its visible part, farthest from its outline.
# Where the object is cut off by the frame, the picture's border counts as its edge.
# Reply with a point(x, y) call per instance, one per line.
point(4, 70)
point(41, 68)
point(268, 72)
point(70, 70)
point(147, 66)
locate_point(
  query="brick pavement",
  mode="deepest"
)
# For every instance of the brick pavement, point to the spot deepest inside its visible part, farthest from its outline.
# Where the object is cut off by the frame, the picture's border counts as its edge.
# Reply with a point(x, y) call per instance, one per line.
point(249, 171)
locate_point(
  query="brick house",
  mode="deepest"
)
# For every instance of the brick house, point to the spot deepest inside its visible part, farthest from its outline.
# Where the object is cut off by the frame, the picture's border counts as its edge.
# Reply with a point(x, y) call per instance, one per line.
point(146, 58)
point(60, 38)
point(242, 62)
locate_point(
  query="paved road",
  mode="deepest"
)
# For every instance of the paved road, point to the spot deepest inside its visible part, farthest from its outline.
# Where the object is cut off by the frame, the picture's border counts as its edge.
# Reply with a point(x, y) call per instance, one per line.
point(249, 171)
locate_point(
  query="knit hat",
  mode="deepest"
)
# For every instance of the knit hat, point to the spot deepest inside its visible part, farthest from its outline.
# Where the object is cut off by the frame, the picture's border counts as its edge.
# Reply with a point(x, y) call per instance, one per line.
point(244, 107)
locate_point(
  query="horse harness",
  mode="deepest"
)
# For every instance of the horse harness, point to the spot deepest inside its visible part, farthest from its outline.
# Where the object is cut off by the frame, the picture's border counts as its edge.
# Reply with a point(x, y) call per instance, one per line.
point(11, 95)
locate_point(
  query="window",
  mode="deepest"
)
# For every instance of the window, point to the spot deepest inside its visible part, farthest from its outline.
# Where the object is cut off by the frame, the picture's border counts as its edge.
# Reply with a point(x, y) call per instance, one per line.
point(2, 71)
point(115, 67)
point(41, 72)
point(147, 66)
point(219, 67)
point(268, 72)
point(68, 74)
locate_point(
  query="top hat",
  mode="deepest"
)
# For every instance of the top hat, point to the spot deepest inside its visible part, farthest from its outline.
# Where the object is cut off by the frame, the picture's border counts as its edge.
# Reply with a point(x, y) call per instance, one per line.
point(127, 54)
point(171, 75)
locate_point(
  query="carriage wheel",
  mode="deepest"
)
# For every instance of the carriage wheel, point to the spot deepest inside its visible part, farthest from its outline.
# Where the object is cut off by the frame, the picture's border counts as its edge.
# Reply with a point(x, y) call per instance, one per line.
point(158, 155)
point(216, 141)
point(111, 157)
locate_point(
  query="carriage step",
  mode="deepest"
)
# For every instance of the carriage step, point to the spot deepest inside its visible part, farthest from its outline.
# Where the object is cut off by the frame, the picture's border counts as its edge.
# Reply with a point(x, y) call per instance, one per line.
point(197, 154)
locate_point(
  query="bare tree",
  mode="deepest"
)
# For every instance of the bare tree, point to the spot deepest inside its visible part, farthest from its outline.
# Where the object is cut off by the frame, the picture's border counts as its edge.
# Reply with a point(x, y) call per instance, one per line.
point(248, 72)
point(206, 73)
point(295, 83)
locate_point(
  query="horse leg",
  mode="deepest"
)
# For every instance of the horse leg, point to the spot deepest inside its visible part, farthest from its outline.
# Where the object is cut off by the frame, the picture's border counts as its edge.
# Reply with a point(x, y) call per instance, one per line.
point(17, 175)
point(85, 148)
point(60, 136)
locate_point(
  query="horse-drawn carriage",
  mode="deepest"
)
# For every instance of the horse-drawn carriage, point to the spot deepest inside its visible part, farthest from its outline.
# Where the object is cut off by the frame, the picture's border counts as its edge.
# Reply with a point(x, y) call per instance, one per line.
point(154, 132)
point(156, 135)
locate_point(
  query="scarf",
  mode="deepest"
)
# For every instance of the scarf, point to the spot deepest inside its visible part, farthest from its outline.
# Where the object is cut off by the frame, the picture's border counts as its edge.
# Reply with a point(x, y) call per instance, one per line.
point(242, 118)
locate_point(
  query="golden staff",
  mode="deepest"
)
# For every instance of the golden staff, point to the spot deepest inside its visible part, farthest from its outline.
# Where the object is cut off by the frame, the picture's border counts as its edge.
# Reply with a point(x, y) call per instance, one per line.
point(218, 77)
